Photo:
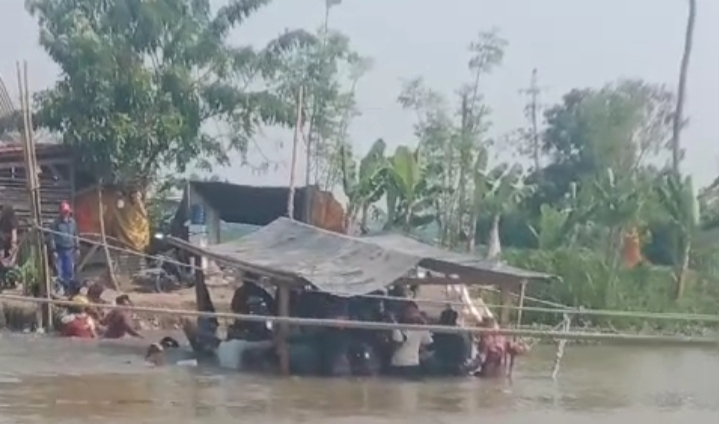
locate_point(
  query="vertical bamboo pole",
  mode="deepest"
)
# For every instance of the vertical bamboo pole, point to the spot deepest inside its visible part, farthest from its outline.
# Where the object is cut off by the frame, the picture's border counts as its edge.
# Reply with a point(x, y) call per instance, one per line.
point(103, 238)
point(522, 290)
point(505, 295)
point(33, 185)
point(560, 346)
point(283, 310)
point(298, 126)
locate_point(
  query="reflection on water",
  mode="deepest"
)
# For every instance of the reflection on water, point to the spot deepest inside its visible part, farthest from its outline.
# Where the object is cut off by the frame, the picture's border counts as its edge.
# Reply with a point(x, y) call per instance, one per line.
point(45, 379)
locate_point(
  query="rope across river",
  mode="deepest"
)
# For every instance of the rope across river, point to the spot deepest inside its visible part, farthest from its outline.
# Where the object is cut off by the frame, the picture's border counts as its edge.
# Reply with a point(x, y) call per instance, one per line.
point(556, 309)
point(559, 335)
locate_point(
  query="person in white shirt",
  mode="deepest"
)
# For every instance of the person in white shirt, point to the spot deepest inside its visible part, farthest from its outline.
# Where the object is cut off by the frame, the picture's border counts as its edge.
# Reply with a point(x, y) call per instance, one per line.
point(406, 356)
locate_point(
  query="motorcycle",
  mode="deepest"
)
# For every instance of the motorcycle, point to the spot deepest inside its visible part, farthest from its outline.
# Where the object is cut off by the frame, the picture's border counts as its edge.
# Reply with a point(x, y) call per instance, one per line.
point(168, 271)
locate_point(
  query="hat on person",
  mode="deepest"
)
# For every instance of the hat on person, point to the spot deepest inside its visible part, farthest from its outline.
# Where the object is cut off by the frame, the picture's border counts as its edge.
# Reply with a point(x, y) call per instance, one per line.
point(65, 207)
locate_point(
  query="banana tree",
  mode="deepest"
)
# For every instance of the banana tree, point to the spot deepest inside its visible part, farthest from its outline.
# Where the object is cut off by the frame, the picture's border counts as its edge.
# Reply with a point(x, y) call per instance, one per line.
point(677, 198)
point(496, 191)
point(409, 199)
point(363, 186)
point(616, 205)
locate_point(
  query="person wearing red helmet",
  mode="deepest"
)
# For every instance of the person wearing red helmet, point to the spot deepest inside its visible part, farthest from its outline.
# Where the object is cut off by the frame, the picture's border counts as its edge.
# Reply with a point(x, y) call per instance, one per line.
point(64, 244)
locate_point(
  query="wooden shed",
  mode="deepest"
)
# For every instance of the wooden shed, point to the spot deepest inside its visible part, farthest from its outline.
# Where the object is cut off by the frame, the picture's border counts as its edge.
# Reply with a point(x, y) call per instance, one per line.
point(57, 179)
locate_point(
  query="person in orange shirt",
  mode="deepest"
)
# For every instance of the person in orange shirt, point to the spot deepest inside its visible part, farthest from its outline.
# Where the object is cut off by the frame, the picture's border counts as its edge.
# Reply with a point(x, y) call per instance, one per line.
point(78, 323)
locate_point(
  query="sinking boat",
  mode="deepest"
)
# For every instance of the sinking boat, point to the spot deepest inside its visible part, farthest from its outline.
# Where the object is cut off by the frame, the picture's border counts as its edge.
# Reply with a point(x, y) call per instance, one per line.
point(287, 259)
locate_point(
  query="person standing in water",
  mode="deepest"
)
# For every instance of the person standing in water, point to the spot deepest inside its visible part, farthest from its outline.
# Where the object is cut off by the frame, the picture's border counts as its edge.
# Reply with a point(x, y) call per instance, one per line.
point(406, 357)
point(65, 245)
point(118, 322)
point(77, 322)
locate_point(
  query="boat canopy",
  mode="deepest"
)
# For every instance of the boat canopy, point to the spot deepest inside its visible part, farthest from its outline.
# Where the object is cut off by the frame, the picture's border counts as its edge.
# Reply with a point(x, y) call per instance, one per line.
point(288, 250)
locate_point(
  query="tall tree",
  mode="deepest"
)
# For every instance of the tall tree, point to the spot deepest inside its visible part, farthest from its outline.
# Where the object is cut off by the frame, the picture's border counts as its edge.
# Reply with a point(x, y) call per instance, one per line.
point(678, 121)
point(622, 126)
point(139, 79)
point(452, 142)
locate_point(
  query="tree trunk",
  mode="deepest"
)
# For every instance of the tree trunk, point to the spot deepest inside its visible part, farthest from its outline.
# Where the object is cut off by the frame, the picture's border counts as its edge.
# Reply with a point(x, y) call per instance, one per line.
point(681, 91)
point(471, 237)
point(495, 248)
point(103, 238)
point(681, 273)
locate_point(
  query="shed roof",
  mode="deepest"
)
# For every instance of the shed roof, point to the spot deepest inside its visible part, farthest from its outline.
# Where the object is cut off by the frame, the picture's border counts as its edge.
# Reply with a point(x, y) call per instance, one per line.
point(246, 204)
point(346, 265)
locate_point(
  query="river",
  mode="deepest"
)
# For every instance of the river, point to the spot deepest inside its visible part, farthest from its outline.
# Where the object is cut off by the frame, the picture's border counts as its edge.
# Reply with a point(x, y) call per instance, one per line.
point(45, 379)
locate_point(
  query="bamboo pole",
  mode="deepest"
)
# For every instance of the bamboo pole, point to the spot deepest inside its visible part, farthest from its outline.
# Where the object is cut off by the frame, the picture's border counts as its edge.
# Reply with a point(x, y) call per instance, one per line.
point(103, 237)
point(298, 126)
point(31, 177)
point(384, 326)
point(522, 291)
point(560, 346)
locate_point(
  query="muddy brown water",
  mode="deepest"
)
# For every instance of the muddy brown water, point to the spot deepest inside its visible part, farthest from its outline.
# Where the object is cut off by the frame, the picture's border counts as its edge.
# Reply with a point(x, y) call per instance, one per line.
point(44, 379)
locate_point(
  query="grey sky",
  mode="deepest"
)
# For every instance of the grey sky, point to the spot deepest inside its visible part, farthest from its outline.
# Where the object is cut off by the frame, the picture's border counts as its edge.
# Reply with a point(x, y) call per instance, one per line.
point(573, 43)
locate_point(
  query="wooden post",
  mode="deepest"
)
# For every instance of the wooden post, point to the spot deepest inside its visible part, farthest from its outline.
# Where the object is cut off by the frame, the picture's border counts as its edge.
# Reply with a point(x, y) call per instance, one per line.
point(506, 298)
point(283, 310)
point(522, 289)
point(103, 238)
point(293, 164)
point(31, 176)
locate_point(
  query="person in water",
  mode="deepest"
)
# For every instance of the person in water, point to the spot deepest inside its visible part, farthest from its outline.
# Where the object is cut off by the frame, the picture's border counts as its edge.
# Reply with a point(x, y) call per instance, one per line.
point(408, 343)
point(156, 352)
point(94, 295)
point(452, 352)
point(498, 354)
point(77, 322)
point(118, 322)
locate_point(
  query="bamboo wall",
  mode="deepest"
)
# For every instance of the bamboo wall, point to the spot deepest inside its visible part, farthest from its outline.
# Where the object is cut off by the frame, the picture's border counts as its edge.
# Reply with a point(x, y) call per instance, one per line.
point(56, 180)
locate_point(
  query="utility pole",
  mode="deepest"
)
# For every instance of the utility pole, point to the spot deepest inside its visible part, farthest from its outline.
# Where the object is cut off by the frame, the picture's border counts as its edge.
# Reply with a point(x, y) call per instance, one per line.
point(531, 112)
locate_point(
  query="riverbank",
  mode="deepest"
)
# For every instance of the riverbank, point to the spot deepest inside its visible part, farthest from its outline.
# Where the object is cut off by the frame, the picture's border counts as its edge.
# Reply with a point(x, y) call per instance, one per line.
point(23, 316)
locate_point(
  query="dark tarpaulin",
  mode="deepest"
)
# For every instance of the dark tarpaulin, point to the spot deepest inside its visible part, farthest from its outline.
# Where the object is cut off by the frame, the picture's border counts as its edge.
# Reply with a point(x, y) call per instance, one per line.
point(346, 265)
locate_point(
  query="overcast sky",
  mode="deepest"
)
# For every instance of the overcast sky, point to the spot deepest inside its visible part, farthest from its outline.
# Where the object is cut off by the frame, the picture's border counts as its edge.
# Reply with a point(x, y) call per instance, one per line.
point(573, 43)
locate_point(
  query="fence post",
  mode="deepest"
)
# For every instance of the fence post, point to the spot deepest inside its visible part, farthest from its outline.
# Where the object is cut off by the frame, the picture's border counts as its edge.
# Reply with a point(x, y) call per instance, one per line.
point(560, 346)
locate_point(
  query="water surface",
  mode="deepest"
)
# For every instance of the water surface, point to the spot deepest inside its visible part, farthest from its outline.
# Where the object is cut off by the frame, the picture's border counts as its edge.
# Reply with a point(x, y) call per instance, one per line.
point(46, 379)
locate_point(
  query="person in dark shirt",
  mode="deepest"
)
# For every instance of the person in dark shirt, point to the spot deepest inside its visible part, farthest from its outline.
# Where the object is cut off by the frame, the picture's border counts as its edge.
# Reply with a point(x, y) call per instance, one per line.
point(118, 322)
point(8, 230)
point(452, 352)
point(64, 244)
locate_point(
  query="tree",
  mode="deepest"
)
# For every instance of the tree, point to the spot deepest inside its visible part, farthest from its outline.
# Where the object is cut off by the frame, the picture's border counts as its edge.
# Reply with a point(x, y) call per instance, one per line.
point(139, 79)
point(677, 198)
point(329, 72)
point(622, 127)
point(678, 121)
point(451, 146)
point(529, 138)
point(366, 185)
point(409, 202)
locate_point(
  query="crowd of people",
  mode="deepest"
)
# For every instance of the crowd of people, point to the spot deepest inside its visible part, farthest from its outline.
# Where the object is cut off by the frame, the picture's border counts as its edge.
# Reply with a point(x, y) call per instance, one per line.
point(337, 351)
point(316, 350)
point(84, 320)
